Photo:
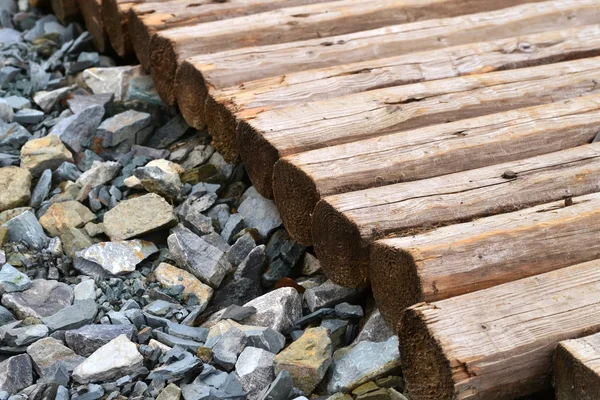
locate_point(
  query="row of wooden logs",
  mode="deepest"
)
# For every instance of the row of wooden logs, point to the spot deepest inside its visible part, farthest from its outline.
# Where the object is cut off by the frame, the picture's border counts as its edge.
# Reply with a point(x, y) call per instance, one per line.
point(440, 149)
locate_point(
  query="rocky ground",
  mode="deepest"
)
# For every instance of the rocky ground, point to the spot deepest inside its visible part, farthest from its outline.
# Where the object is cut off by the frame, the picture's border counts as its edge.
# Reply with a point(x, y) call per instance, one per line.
point(136, 263)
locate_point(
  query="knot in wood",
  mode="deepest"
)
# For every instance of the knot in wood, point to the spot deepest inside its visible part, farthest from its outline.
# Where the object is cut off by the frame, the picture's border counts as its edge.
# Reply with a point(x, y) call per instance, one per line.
point(509, 174)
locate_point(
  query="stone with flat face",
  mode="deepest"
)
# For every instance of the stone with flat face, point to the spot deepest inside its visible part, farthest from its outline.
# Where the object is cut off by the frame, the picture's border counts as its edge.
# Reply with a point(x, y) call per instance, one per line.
point(15, 187)
point(43, 299)
point(16, 373)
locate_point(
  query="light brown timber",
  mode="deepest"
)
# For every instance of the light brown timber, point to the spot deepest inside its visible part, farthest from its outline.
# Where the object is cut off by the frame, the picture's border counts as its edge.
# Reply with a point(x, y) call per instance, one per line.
point(270, 135)
point(471, 256)
point(345, 225)
point(254, 97)
point(201, 73)
point(65, 10)
point(498, 343)
point(301, 180)
point(92, 15)
point(114, 15)
point(144, 20)
point(577, 369)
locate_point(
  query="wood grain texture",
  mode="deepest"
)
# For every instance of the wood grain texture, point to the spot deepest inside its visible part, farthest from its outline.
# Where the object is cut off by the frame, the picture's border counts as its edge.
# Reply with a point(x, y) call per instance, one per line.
point(464, 258)
point(92, 15)
point(114, 15)
point(273, 134)
point(577, 369)
point(201, 73)
point(254, 97)
point(345, 225)
point(497, 343)
point(144, 20)
point(301, 180)
point(65, 10)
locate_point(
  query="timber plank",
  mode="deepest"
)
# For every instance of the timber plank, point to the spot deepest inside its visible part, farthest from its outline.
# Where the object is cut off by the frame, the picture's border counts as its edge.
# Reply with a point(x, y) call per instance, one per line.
point(497, 343)
point(254, 97)
point(144, 20)
point(92, 15)
point(301, 180)
point(345, 225)
point(270, 135)
point(169, 48)
point(200, 73)
point(577, 369)
point(65, 10)
point(467, 257)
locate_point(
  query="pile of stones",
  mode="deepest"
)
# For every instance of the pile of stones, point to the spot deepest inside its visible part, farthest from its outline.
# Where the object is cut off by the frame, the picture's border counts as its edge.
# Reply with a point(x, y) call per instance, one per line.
point(137, 263)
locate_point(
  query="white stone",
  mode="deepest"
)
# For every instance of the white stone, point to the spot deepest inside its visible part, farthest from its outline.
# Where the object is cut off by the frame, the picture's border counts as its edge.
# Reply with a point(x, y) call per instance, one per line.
point(277, 310)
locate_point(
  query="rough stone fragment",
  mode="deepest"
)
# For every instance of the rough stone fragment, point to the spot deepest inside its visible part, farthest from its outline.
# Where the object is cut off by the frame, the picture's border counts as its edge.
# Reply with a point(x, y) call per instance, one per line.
point(117, 358)
point(44, 153)
point(264, 338)
point(168, 134)
point(228, 348)
point(29, 116)
point(42, 299)
point(85, 290)
point(234, 225)
point(6, 111)
point(119, 257)
point(311, 265)
point(79, 103)
point(253, 265)
point(329, 294)
point(169, 276)
point(277, 309)
point(24, 335)
point(66, 172)
point(113, 80)
point(259, 213)
point(17, 102)
point(353, 366)
point(124, 130)
point(13, 136)
point(49, 354)
point(48, 99)
point(15, 186)
point(79, 314)
point(77, 130)
point(6, 316)
point(74, 240)
point(13, 280)
point(100, 173)
point(16, 373)
point(187, 332)
point(236, 291)
point(138, 216)
point(171, 340)
point(156, 180)
point(26, 228)
point(279, 389)
point(64, 215)
point(306, 359)
point(206, 262)
point(240, 249)
point(89, 338)
point(238, 313)
point(42, 189)
point(170, 392)
point(255, 370)
point(182, 363)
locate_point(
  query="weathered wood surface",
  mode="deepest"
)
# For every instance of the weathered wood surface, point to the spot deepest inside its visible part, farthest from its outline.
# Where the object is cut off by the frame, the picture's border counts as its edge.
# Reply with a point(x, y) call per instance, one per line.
point(144, 20)
point(577, 369)
point(65, 10)
point(230, 68)
point(498, 343)
point(464, 258)
point(114, 15)
point(255, 97)
point(301, 180)
point(345, 225)
point(92, 15)
point(273, 134)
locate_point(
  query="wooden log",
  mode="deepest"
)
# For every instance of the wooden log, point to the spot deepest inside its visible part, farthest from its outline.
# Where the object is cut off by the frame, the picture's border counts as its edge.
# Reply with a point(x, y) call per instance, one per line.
point(114, 15)
point(254, 97)
point(273, 134)
point(65, 10)
point(169, 48)
point(345, 225)
point(144, 20)
point(497, 343)
point(201, 73)
point(467, 257)
point(577, 369)
point(301, 180)
point(92, 15)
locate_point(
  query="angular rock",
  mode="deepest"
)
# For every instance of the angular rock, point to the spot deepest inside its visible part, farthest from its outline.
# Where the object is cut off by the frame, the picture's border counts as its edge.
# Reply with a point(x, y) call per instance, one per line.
point(49, 354)
point(24, 335)
point(16, 373)
point(156, 180)
point(17, 102)
point(113, 80)
point(187, 332)
point(118, 257)
point(100, 173)
point(13, 136)
point(26, 228)
point(64, 215)
point(236, 291)
point(72, 317)
point(79, 103)
point(48, 152)
point(85, 290)
point(264, 338)
point(124, 130)
point(170, 392)
point(306, 359)
point(168, 134)
point(74, 240)
point(77, 130)
point(329, 294)
point(348, 311)
point(311, 265)
point(15, 186)
point(240, 249)
point(353, 366)
point(169, 276)
point(43, 299)
point(279, 389)
point(6, 316)
point(198, 156)
point(89, 338)
point(206, 262)
point(255, 370)
point(42, 189)
point(117, 358)
point(183, 363)
point(235, 223)
point(138, 216)
point(6, 111)
point(171, 340)
point(277, 309)
point(29, 116)
point(253, 265)
point(13, 280)
point(228, 348)
point(238, 313)
point(259, 213)
point(66, 172)
point(47, 100)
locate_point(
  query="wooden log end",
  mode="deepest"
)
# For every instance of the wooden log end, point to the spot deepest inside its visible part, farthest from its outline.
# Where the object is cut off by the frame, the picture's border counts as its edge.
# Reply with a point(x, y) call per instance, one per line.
point(573, 379)
point(140, 38)
point(337, 242)
point(190, 93)
point(65, 10)
point(427, 370)
point(296, 196)
point(221, 124)
point(92, 15)
point(394, 280)
point(163, 67)
point(115, 23)
point(259, 157)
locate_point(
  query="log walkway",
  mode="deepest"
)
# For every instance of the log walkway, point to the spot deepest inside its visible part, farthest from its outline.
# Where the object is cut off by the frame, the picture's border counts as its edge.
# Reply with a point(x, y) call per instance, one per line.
point(446, 152)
